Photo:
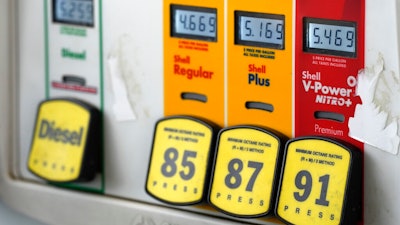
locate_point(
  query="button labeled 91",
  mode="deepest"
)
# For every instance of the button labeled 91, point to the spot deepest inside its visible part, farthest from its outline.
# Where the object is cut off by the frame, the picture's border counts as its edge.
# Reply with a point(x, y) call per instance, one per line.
point(245, 171)
point(179, 164)
point(320, 183)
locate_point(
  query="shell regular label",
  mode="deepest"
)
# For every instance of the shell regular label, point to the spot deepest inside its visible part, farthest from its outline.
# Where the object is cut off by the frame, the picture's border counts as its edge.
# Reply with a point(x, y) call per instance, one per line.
point(179, 161)
point(59, 141)
point(244, 172)
point(314, 182)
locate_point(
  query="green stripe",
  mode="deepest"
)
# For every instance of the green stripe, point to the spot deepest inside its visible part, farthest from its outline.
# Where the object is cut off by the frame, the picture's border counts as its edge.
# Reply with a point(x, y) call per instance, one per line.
point(46, 44)
point(102, 91)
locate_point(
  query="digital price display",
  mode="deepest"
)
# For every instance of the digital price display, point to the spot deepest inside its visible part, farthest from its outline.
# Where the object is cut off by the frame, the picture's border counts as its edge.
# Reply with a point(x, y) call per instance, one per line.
point(321, 183)
point(246, 170)
point(179, 165)
point(259, 64)
point(330, 37)
point(194, 22)
point(65, 146)
point(329, 53)
point(258, 29)
point(194, 54)
point(77, 12)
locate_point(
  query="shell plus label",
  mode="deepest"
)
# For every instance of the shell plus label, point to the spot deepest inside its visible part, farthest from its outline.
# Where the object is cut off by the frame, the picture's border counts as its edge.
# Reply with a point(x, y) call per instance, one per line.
point(259, 64)
point(63, 148)
point(245, 171)
point(179, 163)
point(194, 51)
point(316, 181)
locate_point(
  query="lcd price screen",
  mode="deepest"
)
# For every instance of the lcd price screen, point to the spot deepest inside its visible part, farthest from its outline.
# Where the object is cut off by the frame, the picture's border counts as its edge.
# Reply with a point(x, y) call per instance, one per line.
point(330, 37)
point(260, 30)
point(75, 12)
point(194, 22)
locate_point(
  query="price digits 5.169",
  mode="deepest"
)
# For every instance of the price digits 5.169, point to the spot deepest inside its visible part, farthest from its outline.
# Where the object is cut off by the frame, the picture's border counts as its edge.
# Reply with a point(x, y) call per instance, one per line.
point(262, 30)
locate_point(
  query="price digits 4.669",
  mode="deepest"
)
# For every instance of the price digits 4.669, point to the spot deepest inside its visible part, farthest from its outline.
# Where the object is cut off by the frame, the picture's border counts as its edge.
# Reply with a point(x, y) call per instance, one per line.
point(196, 22)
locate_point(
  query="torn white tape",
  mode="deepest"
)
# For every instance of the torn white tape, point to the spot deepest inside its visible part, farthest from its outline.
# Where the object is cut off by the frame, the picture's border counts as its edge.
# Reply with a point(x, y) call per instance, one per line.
point(377, 119)
point(121, 108)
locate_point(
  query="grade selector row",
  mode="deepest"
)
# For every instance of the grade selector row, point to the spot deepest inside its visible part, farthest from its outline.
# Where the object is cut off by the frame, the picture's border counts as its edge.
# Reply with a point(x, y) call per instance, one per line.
point(250, 172)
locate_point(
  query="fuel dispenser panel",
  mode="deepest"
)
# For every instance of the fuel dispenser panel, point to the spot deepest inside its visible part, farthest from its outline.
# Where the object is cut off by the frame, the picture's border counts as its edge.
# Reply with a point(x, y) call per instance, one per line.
point(328, 55)
point(194, 59)
point(259, 64)
point(74, 49)
point(213, 112)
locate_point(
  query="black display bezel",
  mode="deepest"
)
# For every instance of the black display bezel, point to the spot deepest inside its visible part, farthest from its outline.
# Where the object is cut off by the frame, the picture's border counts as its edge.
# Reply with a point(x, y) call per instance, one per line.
point(239, 41)
point(174, 33)
point(306, 47)
point(69, 22)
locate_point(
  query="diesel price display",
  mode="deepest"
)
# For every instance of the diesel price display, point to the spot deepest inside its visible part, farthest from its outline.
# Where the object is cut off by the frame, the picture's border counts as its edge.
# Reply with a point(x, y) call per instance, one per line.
point(258, 29)
point(194, 22)
point(79, 12)
point(330, 37)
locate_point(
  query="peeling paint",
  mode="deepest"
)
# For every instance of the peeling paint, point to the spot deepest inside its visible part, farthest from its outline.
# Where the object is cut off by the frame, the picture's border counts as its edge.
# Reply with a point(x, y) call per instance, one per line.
point(126, 77)
point(376, 121)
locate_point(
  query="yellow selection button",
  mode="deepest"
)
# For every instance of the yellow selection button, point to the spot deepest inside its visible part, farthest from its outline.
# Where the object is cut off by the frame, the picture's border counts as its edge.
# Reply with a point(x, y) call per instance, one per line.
point(320, 183)
point(179, 164)
point(66, 141)
point(246, 168)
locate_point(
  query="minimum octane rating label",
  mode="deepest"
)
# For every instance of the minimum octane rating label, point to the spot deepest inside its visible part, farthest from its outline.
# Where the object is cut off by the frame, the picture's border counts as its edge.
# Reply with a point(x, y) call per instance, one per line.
point(244, 171)
point(313, 186)
point(179, 161)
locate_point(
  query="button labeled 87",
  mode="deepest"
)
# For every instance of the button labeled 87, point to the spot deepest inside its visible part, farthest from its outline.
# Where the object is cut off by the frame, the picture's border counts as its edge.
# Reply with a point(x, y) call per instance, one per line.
point(246, 169)
point(179, 164)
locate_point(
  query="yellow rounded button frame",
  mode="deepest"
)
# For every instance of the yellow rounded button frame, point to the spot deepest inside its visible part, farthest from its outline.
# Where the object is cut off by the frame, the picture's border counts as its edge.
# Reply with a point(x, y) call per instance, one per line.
point(179, 165)
point(321, 183)
point(246, 168)
point(66, 145)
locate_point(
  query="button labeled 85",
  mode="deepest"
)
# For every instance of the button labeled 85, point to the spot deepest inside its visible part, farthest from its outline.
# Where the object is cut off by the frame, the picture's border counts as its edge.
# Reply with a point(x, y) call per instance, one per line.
point(179, 164)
